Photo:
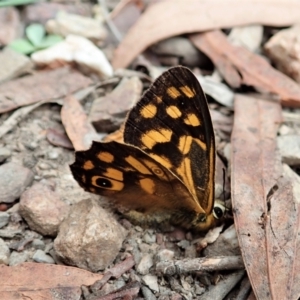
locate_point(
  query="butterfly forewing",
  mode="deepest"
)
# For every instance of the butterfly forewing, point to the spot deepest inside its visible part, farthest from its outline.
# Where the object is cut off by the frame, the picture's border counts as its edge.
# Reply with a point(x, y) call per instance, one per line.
point(172, 124)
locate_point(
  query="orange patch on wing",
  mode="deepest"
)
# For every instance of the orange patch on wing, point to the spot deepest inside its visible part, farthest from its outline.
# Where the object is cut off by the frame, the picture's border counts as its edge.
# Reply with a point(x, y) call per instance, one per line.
point(106, 157)
point(152, 137)
point(187, 91)
point(185, 143)
point(88, 165)
point(185, 171)
point(147, 185)
point(173, 92)
point(158, 99)
point(114, 174)
point(136, 164)
point(173, 112)
point(192, 119)
point(149, 111)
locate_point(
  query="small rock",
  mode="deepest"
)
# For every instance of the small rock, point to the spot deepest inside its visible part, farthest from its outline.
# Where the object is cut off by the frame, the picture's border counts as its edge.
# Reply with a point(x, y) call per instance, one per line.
point(165, 255)
point(151, 281)
point(149, 238)
point(42, 209)
point(17, 258)
point(289, 147)
point(4, 154)
point(183, 244)
point(190, 252)
point(148, 295)
point(89, 237)
point(284, 130)
point(225, 244)
point(10, 233)
point(38, 244)
point(41, 257)
point(14, 179)
point(4, 253)
point(145, 264)
point(4, 218)
point(53, 155)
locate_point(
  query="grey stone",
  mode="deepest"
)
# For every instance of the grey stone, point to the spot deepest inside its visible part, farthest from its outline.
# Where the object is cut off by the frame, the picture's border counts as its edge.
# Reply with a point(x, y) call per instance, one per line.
point(151, 282)
point(41, 257)
point(4, 154)
point(165, 255)
point(289, 147)
point(4, 253)
point(14, 179)
point(4, 218)
point(149, 238)
point(17, 258)
point(145, 264)
point(148, 295)
point(38, 244)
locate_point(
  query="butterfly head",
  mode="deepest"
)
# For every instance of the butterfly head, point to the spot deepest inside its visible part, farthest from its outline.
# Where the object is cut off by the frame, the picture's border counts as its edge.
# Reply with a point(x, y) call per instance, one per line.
point(205, 222)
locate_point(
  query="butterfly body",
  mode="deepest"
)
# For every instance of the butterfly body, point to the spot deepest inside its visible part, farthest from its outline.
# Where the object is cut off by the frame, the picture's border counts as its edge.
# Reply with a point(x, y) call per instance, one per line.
point(164, 170)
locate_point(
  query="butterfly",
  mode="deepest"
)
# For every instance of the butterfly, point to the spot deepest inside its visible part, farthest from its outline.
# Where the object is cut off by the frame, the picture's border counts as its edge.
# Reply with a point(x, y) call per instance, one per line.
point(165, 169)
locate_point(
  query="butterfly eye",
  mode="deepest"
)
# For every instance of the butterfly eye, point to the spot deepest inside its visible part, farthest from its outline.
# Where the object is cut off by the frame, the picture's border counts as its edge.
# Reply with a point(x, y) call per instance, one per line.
point(218, 210)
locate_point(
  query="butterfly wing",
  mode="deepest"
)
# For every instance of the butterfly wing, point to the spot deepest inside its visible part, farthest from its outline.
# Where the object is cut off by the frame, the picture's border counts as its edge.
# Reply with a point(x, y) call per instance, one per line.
point(172, 124)
point(128, 176)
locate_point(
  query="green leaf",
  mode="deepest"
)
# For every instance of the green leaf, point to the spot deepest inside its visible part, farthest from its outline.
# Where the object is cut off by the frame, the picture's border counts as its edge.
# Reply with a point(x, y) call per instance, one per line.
point(22, 46)
point(50, 40)
point(4, 3)
point(35, 33)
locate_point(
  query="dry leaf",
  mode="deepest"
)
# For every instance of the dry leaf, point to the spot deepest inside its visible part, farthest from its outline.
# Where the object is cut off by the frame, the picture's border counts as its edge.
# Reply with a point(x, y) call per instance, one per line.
point(238, 65)
point(266, 216)
point(79, 130)
point(194, 16)
point(43, 281)
point(42, 86)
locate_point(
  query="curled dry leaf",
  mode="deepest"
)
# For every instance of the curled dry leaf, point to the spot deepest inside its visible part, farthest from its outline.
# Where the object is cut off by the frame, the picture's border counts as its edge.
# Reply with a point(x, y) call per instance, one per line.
point(43, 281)
point(79, 130)
point(194, 16)
point(238, 65)
point(266, 214)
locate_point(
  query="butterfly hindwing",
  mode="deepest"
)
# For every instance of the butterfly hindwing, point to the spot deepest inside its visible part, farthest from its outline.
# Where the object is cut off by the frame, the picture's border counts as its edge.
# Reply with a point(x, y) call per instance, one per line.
point(172, 124)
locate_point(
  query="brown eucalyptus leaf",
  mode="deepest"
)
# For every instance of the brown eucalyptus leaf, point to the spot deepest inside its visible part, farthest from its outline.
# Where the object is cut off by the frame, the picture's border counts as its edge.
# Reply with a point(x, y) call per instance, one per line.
point(79, 130)
point(239, 66)
point(165, 19)
point(265, 207)
point(42, 86)
point(43, 281)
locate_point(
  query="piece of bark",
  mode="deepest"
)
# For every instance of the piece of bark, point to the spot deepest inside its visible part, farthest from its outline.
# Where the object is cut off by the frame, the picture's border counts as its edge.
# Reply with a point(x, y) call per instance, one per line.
point(264, 206)
point(171, 20)
point(202, 264)
point(42, 86)
point(240, 66)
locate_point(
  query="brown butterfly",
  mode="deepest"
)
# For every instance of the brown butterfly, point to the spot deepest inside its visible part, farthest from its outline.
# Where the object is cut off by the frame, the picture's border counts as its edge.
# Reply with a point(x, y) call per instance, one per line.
point(165, 169)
